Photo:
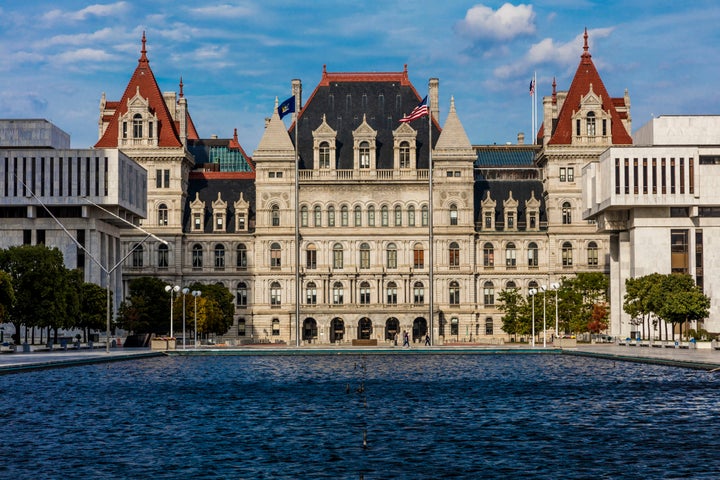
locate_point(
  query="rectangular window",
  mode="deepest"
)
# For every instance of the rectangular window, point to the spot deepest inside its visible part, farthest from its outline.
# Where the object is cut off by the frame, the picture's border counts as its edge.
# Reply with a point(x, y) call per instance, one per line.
point(311, 259)
point(562, 174)
point(699, 258)
point(241, 322)
point(645, 176)
point(635, 176)
point(682, 175)
point(626, 182)
point(691, 177)
point(577, 127)
point(672, 175)
point(166, 178)
point(663, 177)
point(679, 251)
point(570, 174)
point(654, 175)
point(197, 224)
point(241, 221)
point(604, 127)
point(617, 176)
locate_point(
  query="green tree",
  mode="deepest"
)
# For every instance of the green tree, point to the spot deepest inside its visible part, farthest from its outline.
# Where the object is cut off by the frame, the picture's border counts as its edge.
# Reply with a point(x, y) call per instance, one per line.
point(513, 304)
point(147, 308)
point(93, 308)
point(683, 301)
point(7, 296)
point(216, 315)
point(578, 297)
point(41, 284)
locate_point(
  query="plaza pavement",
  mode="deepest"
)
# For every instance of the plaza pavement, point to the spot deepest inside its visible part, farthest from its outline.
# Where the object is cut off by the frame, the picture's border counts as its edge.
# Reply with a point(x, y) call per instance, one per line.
point(704, 359)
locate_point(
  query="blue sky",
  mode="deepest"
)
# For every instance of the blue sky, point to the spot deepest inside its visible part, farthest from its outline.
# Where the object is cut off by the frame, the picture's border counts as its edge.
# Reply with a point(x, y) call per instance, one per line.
point(235, 57)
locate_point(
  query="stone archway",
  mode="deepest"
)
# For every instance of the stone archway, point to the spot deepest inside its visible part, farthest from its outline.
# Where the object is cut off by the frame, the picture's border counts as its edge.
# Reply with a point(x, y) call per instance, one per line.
point(365, 329)
point(419, 329)
point(309, 330)
point(337, 330)
point(392, 328)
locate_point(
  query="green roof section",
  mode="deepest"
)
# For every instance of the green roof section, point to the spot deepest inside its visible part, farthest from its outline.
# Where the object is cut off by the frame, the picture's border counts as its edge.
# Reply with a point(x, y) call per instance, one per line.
point(505, 156)
point(229, 159)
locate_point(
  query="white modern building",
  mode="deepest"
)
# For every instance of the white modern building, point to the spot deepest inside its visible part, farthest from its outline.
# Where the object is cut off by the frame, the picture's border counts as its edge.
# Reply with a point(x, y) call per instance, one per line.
point(660, 202)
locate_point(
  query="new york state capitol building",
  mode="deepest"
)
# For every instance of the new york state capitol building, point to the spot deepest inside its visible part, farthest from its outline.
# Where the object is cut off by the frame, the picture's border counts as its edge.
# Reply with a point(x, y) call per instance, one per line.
point(361, 241)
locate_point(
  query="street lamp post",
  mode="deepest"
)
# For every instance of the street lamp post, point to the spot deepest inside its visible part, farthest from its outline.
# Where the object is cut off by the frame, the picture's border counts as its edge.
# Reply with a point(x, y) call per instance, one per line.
point(172, 290)
point(533, 292)
point(544, 290)
point(556, 287)
point(184, 292)
point(196, 293)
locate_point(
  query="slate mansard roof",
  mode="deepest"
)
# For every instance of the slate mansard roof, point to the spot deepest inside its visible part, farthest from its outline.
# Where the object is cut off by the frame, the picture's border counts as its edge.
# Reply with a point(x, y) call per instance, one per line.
point(345, 99)
point(229, 186)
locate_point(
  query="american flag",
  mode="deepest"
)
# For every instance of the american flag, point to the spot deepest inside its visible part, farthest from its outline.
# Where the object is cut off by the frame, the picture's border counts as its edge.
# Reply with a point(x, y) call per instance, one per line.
point(532, 86)
point(420, 111)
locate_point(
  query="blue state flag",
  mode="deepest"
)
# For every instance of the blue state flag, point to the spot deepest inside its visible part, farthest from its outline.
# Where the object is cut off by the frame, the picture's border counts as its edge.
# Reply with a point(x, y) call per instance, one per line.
point(288, 106)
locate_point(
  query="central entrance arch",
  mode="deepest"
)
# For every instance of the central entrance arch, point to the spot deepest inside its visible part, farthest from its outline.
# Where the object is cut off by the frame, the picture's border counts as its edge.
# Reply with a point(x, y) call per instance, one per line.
point(309, 331)
point(337, 330)
point(364, 328)
point(419, 329)
point(392, 328)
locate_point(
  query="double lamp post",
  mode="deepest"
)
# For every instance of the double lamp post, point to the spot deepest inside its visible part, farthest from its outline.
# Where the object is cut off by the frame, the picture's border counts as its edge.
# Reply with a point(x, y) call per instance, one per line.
point(533, 292)
point(174, 289)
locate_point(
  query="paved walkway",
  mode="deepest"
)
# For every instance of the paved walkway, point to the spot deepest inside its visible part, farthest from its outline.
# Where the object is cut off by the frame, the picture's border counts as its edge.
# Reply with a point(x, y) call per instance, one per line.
point(704, 359)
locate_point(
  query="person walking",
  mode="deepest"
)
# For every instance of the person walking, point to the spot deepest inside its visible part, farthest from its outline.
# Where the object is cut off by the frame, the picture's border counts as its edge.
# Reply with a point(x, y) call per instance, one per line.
point(427, 340)
point(406, 339)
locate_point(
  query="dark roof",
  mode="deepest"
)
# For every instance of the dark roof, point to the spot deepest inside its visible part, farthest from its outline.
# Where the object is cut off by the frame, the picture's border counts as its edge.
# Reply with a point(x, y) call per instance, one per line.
point(344, 99)
point(229, 186)
point(506, 156)
point(500, 191)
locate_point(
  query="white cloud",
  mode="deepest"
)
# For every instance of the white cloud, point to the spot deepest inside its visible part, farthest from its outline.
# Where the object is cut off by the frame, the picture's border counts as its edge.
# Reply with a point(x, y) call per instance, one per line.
point(91, 10)
point(82, 55)
point(224, 11)
point(508, 22)
point(105, 34)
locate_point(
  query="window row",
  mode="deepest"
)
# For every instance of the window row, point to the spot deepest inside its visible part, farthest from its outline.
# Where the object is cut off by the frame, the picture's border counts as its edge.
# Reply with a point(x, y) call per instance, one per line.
point(371, 218)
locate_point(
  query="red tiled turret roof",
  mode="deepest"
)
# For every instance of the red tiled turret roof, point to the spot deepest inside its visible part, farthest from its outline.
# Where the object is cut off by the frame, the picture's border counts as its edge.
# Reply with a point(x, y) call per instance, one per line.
point(585, 76)
point(143, 81)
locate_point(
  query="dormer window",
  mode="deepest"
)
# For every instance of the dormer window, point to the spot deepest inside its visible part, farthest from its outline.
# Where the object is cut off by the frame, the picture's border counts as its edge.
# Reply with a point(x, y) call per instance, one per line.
point(364, 154)
point(137, 126)
point(404, 155)
point(324, 155)
point(590, 124)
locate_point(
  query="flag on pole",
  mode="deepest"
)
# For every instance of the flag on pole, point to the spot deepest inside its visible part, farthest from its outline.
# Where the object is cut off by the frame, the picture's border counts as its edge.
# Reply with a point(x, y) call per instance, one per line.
point(288, 106)
point(532, 86)
point(420, 111)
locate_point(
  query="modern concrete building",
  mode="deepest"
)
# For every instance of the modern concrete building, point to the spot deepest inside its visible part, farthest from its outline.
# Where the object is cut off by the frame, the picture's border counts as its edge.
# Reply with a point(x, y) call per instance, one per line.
point(659, 201)
point(50, 192)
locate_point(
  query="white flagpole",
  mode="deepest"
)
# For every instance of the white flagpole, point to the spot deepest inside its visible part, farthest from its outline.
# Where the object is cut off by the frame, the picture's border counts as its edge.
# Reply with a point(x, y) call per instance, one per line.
point(298, 289)
point(430, 221)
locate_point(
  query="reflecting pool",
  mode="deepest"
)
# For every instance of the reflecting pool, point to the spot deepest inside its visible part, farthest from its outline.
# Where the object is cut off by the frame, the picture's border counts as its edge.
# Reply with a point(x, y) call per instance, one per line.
point(371, 417)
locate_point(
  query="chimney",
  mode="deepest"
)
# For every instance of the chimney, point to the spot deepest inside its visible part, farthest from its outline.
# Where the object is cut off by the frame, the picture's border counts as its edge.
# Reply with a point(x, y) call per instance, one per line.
point(521, 138)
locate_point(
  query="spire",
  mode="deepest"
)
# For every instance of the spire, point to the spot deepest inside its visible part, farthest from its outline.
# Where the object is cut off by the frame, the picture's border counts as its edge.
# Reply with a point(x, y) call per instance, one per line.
point(181, 87)
point(554, 92)
point(586, 54)
point(453, 141)
point(275, 143)
point(143, 51)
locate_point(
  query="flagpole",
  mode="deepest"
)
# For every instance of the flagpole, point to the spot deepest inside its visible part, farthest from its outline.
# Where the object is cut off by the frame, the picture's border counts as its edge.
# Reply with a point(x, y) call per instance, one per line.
point(430, 221)
point(297, 228)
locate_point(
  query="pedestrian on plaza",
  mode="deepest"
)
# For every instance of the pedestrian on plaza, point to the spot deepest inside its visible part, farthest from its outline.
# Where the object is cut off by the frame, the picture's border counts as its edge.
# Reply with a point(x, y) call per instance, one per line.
point(395, 338)
point(406, 339)
point(427, 340)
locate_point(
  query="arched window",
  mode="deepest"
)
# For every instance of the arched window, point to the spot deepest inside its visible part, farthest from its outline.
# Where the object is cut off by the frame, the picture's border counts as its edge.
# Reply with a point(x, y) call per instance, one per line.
point(162, 212)
point(275, 295)
point(364, 154)
point(371, 216)
point(384, 214)
point(364, 255)
point(197, 256)
point(344, 214)
point(454, 255)
point(241, 260)
point(338, 293)
point(331, 216)
point(404, 154)
point(488, 326)
point(304, 216)
point(591, 124)
point(241, 295)
point(364, 293)
point(398, 216)
point(358, 216)
point(324, 151)
point(275, 255)
point(418, 293)
point(454, 297)
point(137, 126)
point(338, 256)
point(592, 252)
point(533, 284)
point(567, 254)
point(275, 326)
point(566, 213)
point(532, 255)
point(453, 214)
point(219, 255)
point(310, 294)
point(454, 326)
point(391, 292)
point(510, 260)
point(488, 293)
point(163, 260)
point(424, 215)
point(411, 216)
point(510, 285)
point(137, 256)
point(488, 255)
point(311, 257)
point(317, 216)
point(275, 214)
point(391, 254)
point(418, 256)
